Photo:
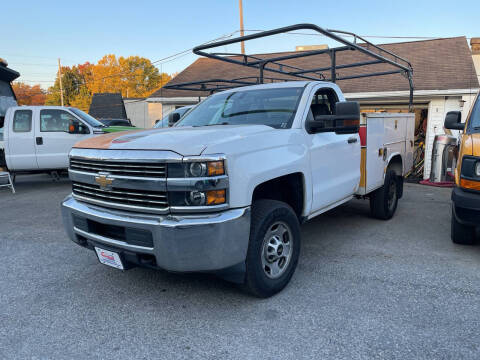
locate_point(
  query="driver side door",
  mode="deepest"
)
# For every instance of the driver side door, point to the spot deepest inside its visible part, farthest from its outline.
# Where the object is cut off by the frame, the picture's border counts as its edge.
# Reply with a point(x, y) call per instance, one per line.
point(334, 157)
point(53, 141)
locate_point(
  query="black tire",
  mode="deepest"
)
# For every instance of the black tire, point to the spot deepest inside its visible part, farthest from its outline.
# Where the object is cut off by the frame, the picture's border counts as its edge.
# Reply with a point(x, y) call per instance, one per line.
point(461, 234)
point(266, 214)
point(384, 201)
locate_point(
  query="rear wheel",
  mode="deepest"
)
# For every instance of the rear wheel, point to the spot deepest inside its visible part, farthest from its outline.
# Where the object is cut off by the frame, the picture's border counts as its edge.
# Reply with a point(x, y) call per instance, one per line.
point(384, 201)
point(461, 234)
point(274, 248)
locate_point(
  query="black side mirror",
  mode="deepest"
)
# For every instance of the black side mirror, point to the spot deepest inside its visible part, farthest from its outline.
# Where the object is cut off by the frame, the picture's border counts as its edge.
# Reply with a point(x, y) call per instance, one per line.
point(453, 121)
point(73, 127)
point(173, 118)
point(345, 121)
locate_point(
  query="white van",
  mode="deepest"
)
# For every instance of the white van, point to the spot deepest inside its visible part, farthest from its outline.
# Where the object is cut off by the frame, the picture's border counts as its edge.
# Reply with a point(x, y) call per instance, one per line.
point(39, 138)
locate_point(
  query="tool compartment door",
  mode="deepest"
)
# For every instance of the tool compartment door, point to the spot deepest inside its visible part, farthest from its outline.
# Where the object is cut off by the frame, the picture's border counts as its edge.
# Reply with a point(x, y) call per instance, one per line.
point(395, 135)
point(409, 144)
point(375, 164)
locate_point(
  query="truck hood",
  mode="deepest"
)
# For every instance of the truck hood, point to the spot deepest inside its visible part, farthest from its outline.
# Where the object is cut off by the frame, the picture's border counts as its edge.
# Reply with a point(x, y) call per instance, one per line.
point(182, 140)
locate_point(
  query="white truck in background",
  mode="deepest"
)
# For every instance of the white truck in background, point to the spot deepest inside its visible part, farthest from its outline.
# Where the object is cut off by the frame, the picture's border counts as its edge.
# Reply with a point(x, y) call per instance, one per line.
point(226, 189)
point(39, 138)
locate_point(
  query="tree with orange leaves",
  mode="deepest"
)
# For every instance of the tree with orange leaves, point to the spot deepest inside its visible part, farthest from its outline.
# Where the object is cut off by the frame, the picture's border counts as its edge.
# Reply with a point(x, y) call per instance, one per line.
point(131, 76)
point(29, 95)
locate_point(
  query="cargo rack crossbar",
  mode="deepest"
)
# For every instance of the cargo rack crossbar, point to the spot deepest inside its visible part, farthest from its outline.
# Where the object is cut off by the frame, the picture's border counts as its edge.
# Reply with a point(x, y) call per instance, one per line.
point(377, 55)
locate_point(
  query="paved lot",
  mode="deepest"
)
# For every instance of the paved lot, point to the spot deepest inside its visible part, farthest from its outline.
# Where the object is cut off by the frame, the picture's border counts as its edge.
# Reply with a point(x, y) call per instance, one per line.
point(363, 289)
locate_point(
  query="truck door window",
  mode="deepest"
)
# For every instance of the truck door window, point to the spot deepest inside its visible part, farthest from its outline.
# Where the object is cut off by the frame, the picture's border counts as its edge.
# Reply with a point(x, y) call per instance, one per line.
point(474, 122)
point(323, 102)
point(52, 120)
point(22, 121)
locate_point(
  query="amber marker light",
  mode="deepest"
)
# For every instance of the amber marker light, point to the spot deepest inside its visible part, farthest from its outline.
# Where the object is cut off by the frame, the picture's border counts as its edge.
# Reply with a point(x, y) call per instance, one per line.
point(216, 168)
point(216, 197)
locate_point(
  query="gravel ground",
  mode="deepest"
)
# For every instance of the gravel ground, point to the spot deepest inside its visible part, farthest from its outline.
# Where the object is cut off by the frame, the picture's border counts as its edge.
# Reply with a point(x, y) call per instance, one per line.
point(363, 289)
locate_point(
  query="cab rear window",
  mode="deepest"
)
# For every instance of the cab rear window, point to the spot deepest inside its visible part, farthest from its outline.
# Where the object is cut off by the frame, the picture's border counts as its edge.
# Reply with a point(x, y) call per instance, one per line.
point(22, 121)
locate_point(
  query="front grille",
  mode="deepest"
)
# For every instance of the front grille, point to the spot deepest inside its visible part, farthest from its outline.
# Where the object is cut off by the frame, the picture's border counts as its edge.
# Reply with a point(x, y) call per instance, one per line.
point(136, 169)
point(129, 235)
point(150, 201)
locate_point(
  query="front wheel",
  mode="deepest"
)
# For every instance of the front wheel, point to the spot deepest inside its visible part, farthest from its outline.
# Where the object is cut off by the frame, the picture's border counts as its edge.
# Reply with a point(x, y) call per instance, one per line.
point(461, 234)
point(274, 248)
point(384, 201)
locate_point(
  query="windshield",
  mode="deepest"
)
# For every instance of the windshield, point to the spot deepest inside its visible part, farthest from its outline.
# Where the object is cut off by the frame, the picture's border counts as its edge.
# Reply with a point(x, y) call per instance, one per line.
point(164, 122)
point(87, 118)
point(474, 122)
point(271, 107)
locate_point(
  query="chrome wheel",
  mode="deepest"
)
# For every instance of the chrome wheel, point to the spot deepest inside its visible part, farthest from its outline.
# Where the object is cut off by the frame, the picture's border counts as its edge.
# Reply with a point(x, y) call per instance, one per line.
point(277, 250)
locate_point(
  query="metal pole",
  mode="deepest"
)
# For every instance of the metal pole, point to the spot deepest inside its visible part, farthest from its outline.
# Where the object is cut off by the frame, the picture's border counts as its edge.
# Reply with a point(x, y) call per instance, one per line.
point(242, 44)
point(60, 77)
point(333, 68)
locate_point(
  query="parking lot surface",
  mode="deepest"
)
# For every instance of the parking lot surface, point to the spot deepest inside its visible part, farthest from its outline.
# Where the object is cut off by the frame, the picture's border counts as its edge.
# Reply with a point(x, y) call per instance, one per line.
point(364, 288)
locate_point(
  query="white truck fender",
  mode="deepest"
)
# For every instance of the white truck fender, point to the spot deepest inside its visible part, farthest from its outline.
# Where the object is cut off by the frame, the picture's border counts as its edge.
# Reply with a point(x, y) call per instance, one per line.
point(248, 170)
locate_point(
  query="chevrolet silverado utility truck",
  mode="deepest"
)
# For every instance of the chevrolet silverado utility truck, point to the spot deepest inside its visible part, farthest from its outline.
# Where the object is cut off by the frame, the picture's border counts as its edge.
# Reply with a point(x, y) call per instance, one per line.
point(466, 193)
point(226, 189)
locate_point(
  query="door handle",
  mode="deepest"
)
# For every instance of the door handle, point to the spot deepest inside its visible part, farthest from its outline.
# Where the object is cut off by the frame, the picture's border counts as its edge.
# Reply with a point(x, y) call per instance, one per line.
point(39, 140)
point(352, 140)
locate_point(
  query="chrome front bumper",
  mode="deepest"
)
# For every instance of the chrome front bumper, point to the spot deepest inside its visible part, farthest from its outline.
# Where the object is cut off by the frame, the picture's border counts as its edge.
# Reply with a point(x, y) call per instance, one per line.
point(203, 242)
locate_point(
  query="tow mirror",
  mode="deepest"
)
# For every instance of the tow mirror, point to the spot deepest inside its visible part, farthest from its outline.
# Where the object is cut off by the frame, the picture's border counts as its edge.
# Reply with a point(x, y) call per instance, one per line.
point(73, 127)
point(345, 121)
point(173, 118)
point(453, 121)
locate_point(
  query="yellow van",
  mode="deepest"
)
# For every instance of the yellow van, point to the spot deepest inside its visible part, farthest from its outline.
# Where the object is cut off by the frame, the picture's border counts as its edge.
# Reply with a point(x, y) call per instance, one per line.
point(466, 193)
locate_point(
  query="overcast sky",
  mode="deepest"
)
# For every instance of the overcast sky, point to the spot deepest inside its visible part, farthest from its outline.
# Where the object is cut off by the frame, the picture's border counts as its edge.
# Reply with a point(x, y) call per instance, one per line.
point(34, 34)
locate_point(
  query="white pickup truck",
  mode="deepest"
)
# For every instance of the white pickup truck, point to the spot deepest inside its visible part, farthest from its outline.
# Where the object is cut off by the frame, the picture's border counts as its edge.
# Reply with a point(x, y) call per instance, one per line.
point(39, 138)
point(227, 188)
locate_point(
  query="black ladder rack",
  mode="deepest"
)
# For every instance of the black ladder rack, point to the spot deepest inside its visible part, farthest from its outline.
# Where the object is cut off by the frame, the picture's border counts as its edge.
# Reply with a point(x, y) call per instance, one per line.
point(274, 64)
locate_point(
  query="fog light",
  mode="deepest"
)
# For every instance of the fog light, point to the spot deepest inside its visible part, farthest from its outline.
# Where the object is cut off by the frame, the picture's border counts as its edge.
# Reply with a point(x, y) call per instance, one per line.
point(196, 198)
point(477, 169)
point(216, 197)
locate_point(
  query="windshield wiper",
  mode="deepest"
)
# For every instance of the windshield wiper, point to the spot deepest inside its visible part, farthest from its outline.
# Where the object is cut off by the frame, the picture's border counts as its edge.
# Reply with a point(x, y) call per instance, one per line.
point(223, 123)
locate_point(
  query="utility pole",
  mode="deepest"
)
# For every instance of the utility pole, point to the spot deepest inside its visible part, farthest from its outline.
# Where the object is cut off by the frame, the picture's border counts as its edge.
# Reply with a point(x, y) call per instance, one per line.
point(60, 77)
point(241, 25)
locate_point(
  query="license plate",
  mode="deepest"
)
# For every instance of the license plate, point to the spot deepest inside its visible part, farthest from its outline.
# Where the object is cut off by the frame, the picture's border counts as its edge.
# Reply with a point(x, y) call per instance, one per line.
point(109, 258)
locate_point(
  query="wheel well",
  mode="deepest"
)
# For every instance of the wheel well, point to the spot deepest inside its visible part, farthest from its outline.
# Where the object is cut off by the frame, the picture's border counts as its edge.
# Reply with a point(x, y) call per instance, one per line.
point(396, 165)
point(288, 188)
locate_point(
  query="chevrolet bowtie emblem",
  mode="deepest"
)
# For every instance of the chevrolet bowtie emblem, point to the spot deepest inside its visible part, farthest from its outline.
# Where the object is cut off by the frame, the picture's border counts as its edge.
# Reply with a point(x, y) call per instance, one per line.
point(104, 181)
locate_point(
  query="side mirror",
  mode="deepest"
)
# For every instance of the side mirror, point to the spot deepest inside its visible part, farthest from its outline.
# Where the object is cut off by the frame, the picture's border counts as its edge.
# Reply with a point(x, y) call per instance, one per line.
point(173, 118)
point(453, 121)
point(345, 121)
point(73, 127)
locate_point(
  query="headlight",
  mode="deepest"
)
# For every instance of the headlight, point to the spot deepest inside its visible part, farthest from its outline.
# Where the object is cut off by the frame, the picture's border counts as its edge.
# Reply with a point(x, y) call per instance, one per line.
point(470, 173)
point(471, 168)
point(196, 169)
point(198, 183)
point(198, 198)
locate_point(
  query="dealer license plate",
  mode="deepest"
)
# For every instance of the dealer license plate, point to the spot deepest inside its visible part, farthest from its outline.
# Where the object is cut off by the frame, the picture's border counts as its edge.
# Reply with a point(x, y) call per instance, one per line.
point(109, 258)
